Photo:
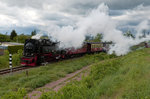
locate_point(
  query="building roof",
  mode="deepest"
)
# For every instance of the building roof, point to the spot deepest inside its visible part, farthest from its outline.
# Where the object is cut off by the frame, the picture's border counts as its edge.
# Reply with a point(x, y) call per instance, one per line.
point(11, 43)
point(5, 45)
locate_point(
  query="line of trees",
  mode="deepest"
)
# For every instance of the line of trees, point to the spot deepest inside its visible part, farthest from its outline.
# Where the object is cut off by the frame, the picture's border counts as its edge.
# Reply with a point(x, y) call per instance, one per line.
point(90, 38)
point(14, 37)
point(128, 33)
point(143, 35)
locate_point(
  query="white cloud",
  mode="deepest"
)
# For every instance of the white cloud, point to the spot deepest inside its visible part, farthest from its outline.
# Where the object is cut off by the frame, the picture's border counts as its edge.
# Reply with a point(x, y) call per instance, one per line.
point(10, 16)
point(131, 17)
point(35, 13)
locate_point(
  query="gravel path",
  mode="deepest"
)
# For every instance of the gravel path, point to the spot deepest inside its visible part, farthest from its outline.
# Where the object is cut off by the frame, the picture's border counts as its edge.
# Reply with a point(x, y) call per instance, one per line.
point(56, 85)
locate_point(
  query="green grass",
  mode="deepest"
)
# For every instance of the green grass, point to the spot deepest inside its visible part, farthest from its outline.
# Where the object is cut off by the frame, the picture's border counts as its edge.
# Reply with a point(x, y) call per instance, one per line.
point(124, 77)
point(10, 85)
point(4, 59)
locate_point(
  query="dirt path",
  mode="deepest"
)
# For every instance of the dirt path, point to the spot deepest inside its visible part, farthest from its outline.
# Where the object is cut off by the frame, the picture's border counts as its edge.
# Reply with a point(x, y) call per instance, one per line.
point(56, 85)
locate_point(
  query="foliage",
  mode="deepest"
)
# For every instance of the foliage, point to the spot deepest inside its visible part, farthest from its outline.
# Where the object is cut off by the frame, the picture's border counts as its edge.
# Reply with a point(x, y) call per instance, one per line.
point(4, 60)
point(33, 33)
point(97, 38)
point(16, 38)
point(16, 58)
point(4, 38)
point(21, 38)
point(15, 94)
point(129, 34)
point(13, 34)
point(138, 47)
point(14, 49)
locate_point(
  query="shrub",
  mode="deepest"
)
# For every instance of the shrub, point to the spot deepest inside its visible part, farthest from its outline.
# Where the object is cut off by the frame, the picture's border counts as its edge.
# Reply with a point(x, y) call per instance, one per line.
point(14, 49)
point(16, 58)
point(4, 60)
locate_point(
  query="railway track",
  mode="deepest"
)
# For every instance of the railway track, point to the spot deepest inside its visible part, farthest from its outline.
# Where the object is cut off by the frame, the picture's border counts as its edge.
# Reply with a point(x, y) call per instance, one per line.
point(14, 69)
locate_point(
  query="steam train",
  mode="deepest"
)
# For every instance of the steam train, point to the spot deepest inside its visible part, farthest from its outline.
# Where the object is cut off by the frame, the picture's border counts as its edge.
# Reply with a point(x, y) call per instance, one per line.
point(44, 50)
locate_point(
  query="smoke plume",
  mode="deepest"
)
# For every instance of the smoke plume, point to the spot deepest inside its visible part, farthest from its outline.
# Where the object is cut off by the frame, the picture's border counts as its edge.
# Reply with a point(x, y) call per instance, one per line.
point(96, 22)
point(37, 36)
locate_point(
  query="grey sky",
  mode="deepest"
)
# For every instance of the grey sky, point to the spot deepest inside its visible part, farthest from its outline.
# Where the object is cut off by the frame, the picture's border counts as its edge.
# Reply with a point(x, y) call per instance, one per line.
point(26, 15)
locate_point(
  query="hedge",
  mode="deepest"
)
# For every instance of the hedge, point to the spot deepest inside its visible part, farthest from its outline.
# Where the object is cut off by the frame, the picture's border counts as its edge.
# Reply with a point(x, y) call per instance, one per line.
point(14, 49)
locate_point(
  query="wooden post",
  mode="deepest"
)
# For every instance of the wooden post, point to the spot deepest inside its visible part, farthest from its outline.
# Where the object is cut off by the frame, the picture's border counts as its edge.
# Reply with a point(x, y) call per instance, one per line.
point(27, 73)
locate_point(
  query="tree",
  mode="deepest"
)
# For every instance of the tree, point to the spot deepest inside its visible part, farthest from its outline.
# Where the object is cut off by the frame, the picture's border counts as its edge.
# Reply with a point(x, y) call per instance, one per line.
point(21, 38)
point(33, 33)
point(3, 38)
point(13, 34)
point(129, 34)
point(97, 38)
point(90, 38)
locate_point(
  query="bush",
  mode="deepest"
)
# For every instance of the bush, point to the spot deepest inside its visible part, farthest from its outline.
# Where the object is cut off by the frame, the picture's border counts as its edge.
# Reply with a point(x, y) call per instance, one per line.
point(14, 49)
point(16, 58)
point(4, 60)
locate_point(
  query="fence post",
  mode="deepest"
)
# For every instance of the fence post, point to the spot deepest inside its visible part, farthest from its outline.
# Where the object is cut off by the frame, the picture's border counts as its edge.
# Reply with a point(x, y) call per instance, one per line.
point(10, 62)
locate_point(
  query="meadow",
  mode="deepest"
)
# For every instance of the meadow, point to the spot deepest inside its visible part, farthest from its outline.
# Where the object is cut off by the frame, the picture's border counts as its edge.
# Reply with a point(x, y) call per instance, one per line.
point(17, 85)
point(125, 77)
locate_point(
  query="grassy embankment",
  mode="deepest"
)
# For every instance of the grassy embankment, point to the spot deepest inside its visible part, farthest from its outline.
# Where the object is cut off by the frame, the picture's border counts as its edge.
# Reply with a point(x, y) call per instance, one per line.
point(126, 77)
point(17, 85)
point(4, 59)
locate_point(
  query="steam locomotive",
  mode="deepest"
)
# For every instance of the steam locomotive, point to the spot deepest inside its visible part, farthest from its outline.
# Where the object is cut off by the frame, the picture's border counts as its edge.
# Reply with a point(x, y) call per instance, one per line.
point(44, 50)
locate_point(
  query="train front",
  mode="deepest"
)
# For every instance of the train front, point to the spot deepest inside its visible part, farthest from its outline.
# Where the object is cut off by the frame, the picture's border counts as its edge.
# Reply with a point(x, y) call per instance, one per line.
point(31, 48)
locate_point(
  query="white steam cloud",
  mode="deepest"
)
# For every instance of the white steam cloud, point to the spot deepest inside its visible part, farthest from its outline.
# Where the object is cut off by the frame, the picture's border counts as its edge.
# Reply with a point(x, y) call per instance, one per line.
point(37, 36)
point(97, 21)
